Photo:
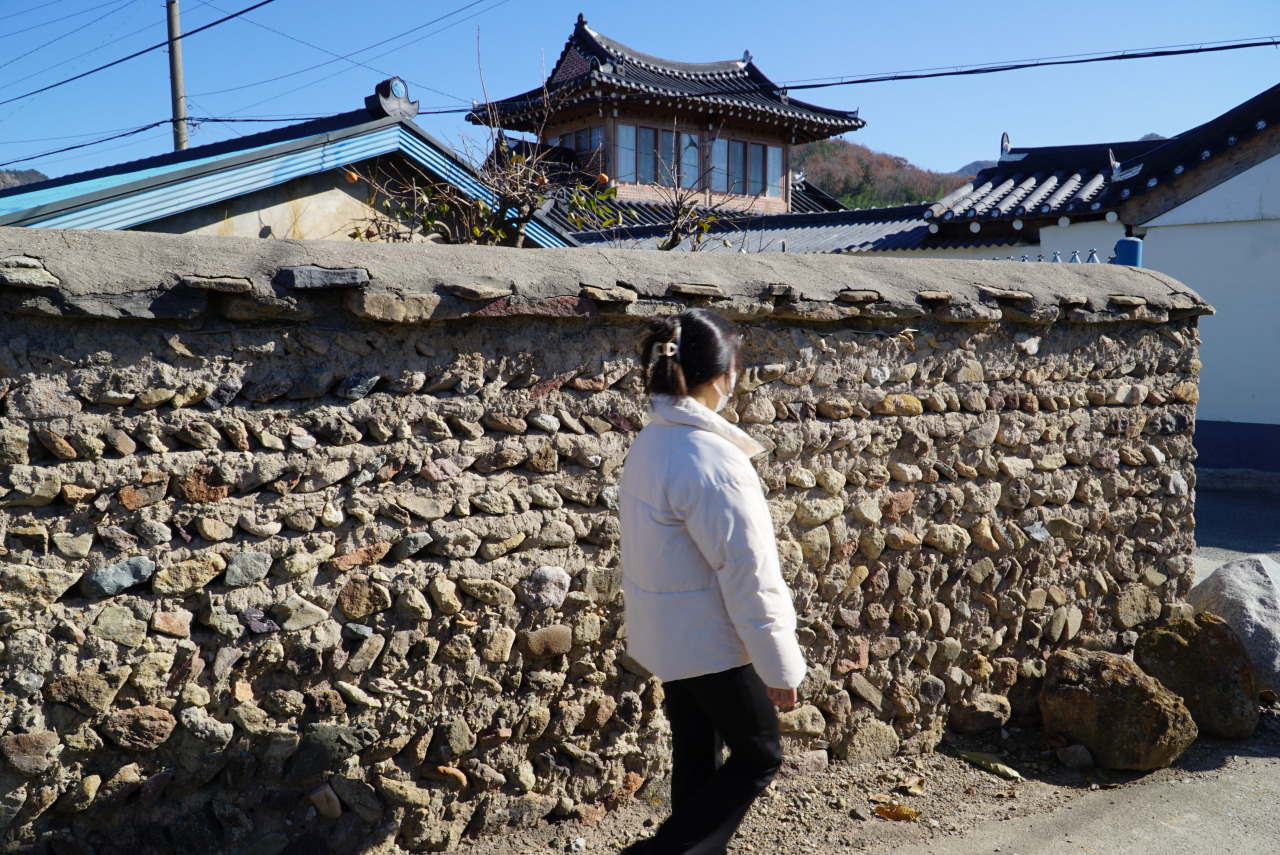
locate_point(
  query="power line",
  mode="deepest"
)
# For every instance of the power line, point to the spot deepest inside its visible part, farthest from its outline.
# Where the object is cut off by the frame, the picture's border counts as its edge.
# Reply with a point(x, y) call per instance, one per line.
point(120, 6)
point(56, 20)
point(750, 88)
point(135, 55)
point(81, 61)
point(989, 69)
point(345, 56)
point(1264, 41)
point(41, 5)
point(352, 61)
point(1042, 60)
point(138, 130)
point(385, 53)
point(94, 50)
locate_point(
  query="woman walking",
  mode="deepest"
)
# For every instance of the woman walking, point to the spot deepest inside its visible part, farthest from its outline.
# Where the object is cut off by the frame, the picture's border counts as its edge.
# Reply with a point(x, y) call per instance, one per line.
point(707, 609)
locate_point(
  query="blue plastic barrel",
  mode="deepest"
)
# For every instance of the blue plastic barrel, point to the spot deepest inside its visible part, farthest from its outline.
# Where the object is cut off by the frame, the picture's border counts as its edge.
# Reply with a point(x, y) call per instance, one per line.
point(1129, 252)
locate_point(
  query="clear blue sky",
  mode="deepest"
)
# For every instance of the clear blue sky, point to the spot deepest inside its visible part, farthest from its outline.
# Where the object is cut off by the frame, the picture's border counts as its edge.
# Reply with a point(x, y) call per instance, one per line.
point(938, 124)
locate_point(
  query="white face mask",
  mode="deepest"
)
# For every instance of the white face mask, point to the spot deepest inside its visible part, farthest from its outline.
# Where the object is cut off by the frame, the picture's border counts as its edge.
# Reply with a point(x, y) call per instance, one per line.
point(725, 396)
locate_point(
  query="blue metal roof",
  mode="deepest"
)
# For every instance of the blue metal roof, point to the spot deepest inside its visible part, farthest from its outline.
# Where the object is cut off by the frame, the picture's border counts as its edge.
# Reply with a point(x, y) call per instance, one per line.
point(127, 195)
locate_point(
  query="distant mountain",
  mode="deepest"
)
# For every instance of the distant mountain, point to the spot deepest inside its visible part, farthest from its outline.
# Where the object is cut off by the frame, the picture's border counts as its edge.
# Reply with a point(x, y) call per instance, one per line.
point(20, 176)
point(862, 178)
point(1152, 137)
point(975, 167)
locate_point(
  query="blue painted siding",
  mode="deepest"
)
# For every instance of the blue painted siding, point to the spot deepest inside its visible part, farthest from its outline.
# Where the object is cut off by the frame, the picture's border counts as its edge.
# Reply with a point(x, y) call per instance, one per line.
point(36, 198)
point(132, 208)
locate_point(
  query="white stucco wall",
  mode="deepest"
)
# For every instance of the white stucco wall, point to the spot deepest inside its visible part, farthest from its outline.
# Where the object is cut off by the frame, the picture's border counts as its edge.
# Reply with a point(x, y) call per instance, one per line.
point(1095, 234)
point(1233, 265)
point(315, 207)
point(1251, 195)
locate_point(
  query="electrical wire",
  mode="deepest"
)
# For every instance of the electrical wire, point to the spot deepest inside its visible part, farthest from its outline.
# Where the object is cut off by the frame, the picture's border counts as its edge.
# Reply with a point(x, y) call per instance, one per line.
point(385, 53)
point(140, 129)
point(750, 88)
point(114, 63)
point(69, 60)
point(57, 20)
point(345, 56)
point(40, 5)
point(352, 61)
point(1151, 53)
point(1036, 60)
point(139, 141)
point(1214, 47)
point(120, 6)
point(85, 56)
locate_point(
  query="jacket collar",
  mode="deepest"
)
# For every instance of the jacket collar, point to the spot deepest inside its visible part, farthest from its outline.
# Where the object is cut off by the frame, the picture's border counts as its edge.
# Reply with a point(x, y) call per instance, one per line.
point(683, 410)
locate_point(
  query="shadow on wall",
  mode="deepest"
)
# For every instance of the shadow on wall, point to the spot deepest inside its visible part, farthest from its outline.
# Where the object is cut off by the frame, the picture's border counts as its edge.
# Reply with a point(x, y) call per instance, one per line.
point(1236, 521)
point(1237, 445)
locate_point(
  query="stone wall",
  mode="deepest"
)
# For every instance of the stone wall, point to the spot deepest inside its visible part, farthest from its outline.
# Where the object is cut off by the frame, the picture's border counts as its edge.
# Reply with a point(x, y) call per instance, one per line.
point(322, 536)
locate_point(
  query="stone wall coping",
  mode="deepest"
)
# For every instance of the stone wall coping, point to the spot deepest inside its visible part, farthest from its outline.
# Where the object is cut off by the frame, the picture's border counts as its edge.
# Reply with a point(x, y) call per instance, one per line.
point(123, 274)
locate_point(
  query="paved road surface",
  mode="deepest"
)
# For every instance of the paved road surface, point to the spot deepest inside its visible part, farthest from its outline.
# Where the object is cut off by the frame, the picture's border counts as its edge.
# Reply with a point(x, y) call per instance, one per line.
point(1233, 812)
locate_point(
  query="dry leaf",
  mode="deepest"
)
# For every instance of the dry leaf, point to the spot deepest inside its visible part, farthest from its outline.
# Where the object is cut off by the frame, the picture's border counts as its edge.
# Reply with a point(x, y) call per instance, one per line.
point(880, 798)
point(992, 764)
point(913, 786)
point(900, 813)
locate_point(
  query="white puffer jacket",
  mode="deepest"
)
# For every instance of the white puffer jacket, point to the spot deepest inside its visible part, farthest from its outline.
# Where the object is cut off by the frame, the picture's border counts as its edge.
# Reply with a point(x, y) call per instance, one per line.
point(704, 592)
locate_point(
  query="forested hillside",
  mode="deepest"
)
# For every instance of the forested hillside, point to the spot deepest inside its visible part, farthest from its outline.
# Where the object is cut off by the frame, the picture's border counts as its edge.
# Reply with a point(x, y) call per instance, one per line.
point(19, 176)
point(862, 178)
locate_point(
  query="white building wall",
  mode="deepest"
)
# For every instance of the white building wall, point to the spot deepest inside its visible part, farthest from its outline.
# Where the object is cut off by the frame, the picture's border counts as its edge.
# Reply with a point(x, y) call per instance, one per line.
point(1233, 265)
point(1252, 195)
point(1082, 237)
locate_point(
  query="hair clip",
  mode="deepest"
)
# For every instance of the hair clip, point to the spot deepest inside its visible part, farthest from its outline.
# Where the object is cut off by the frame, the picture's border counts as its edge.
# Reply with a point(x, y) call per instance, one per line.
point(667, 348)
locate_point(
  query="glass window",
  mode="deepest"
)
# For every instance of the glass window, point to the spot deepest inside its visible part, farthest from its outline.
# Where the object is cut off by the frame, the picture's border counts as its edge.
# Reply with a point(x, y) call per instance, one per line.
point(720, 166)
point(646, 154)
point(581, 139)
point(690, 161)
point(553, 141)
point(737, 167)
point(756, 170)
point(626, 153)
point(669, 162)
point(775, 171)
point(597, 137)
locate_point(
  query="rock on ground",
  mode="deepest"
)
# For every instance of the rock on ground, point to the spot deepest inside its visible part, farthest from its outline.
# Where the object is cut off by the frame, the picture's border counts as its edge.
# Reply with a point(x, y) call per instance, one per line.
point(1246, 594)
point(1104, 702)
point(1205, 663)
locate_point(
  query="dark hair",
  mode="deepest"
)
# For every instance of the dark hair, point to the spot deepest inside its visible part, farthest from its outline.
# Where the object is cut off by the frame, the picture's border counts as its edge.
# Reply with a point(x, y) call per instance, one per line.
point(702, 346)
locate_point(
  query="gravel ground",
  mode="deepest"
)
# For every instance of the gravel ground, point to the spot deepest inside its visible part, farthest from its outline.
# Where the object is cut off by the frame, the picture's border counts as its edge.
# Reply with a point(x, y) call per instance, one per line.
point(833, 811)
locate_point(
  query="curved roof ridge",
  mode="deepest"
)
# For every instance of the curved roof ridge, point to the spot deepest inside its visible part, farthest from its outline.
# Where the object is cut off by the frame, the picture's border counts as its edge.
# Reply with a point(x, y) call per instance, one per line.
point(607, 48)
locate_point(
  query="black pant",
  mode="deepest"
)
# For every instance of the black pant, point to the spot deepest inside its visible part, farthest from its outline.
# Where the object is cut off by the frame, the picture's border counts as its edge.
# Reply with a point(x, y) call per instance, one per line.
point(709, 799)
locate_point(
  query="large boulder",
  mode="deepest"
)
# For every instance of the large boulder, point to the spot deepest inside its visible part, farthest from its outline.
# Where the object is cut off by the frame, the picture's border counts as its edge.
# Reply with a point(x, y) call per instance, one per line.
point(1104, 702)
point(1246, 594)
point(1204, 661)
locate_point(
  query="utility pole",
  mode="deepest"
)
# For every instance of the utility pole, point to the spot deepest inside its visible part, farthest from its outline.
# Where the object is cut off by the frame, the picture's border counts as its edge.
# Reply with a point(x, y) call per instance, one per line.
point(175, 79)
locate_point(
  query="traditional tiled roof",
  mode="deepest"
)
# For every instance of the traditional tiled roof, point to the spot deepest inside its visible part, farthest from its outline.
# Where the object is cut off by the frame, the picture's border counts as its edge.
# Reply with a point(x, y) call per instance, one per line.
point(594, 69)
point(805, 198)
point(1038, 182)
point(1054, 181)
point(842, 231)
